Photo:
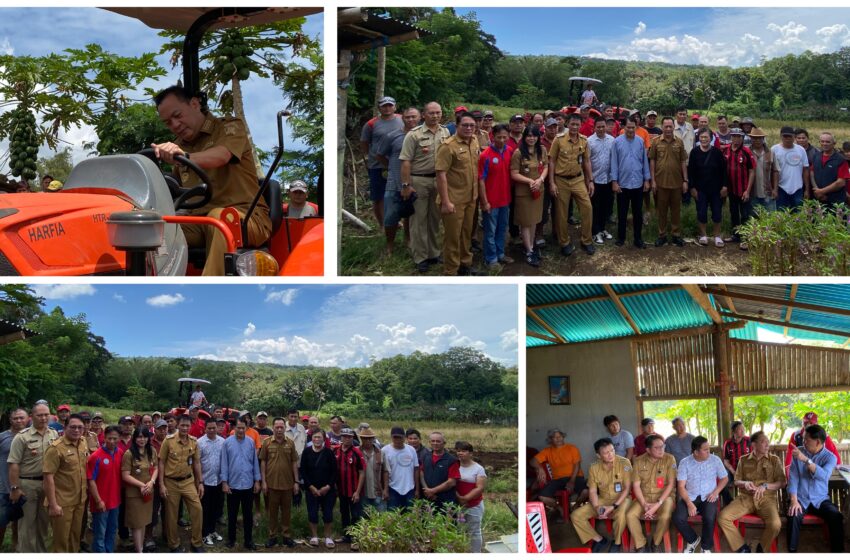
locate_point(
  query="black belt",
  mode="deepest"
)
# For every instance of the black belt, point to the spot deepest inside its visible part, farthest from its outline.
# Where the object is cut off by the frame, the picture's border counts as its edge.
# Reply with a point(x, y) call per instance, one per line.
point(179, 478)
point(568, 177)
point(32, 477)
point(429, 175)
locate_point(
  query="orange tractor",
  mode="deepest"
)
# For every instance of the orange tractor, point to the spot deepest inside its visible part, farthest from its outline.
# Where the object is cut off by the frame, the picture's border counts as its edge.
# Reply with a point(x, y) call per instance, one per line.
point(121, 215)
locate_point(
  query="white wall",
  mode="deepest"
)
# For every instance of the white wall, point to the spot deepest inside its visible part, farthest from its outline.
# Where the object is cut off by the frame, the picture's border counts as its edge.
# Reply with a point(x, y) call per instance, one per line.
point(601, 383)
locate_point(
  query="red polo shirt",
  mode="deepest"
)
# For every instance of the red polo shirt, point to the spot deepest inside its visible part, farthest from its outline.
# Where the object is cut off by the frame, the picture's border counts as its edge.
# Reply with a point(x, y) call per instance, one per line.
point(494, 168)
point(198, 428)
point(105, 469)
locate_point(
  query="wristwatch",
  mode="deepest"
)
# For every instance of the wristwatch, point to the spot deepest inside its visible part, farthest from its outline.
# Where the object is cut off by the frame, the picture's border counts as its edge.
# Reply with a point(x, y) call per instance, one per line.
point(405, 185)
point(13, 488)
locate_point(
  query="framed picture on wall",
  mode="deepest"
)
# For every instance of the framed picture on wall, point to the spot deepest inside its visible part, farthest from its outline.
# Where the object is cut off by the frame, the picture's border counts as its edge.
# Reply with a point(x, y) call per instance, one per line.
point(559, 389)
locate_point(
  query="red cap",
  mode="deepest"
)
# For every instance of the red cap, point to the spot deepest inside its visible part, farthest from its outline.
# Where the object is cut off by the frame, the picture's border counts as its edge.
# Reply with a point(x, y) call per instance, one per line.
point(305, 417)
point(695, 116)
point(460, 108)
point(64, 407)
point(811, 417)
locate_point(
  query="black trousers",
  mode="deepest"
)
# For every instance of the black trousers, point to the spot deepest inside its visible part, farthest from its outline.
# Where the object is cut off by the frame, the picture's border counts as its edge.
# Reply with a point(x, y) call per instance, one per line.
point(213, 504)
point(349, 512)
point(240, 499)
point(603, 202)
point(708, 511)
point(740, 211)
point(830, 514)
point(633, 198)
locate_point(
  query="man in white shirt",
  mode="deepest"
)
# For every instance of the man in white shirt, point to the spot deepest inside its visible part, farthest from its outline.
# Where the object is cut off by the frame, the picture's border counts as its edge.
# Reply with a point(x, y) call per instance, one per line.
point(400, 466)
point(701, 476)
point(790, 176)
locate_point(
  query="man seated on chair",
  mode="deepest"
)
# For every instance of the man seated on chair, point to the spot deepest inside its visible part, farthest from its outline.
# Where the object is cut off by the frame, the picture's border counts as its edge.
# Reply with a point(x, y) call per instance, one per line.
point(808, 487)
point(653, 486)
point(701, 477)
point(608, 487)
point(758, 476)
point(564, 462)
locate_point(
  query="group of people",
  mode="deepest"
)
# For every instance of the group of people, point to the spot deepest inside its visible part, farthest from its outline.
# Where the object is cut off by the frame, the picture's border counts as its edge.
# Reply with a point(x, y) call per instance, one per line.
point(539, 166)
point(56, 472)
point(648, 477)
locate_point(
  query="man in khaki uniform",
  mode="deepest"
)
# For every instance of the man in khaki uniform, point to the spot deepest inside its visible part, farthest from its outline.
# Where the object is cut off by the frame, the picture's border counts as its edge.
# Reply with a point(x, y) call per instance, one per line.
point(569, 167)
point(65, 485)
point(180, 477)
point(668, 167)
point(418, 156)
point(609, 484)
point(457, 183)
point(26, 475)
point(220, 146)
point(758, 477)
point(653, 485)
point(279, 472)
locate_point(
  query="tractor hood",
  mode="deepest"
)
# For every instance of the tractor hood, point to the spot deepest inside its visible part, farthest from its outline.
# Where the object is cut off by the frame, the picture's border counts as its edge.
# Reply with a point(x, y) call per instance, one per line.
point(181, 19)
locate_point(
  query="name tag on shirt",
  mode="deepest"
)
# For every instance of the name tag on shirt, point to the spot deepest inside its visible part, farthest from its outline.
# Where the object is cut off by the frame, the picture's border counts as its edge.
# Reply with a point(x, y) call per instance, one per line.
point(618, 487)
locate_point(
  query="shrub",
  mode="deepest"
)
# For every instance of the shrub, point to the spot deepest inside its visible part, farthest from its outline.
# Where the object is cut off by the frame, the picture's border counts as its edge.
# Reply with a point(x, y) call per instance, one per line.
point(422, 528)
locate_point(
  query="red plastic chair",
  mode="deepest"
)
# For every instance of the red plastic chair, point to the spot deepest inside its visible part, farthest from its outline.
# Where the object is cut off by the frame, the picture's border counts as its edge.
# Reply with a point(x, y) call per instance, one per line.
point(625, 541)
point(537, 531)
point(752, 521)
point(810, 520)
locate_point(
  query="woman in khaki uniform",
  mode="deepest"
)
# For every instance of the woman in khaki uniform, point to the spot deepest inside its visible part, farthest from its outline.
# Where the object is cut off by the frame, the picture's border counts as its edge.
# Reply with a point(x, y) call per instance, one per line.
point(529, 167)
point(139, 472)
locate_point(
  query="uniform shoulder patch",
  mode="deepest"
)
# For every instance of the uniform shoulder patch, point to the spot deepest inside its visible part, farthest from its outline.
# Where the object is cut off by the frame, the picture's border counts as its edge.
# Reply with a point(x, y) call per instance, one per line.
point(231, 127)
point(627, 468)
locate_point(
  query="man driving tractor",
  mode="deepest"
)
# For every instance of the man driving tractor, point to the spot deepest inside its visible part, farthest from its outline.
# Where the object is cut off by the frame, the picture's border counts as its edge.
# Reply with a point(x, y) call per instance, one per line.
point(220, 146)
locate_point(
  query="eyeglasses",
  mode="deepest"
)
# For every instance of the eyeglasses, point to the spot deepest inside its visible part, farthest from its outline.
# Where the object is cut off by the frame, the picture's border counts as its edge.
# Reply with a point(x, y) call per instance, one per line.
point(467, 125)
point(74, 427)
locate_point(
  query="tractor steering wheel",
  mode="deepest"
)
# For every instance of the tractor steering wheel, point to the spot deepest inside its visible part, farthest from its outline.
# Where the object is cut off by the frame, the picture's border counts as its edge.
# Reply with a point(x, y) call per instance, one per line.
point(179, 194)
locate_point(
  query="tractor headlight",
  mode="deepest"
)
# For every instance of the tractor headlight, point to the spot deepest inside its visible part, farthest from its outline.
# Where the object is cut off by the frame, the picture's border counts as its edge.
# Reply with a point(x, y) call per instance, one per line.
point(256, 263)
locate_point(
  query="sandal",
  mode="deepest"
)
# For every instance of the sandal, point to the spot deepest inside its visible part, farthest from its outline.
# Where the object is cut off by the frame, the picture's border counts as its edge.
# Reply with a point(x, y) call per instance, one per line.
point(703, 240)
point(718, 242)
point(313, 542)
point(329, 542)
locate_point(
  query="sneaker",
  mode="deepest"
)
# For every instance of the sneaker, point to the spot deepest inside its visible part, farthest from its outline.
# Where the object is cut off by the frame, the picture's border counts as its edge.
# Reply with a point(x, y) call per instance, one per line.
point(706, 552)
point(601, 546)
point(678, 242)
point(217, 537)
point(504, 259)
point(567, 250)
point(606, 234)
point(589, 249)
point(532, 259)
point(691, 547)
point(661, 241)
point(209, 541)
point(540, 242)
point(599, 239)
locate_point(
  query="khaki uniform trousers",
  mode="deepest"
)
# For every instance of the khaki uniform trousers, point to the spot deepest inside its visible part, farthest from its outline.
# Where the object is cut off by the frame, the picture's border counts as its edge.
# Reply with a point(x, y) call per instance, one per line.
point(32, 528)
point(582, 516)
point(186, 490)
point(67, 529)
point(425, 221)
point(213, 240)
point(669, 200)
point(743, 505)
point(575, 189)
point(662, 521)
point(457, 237)
point(280, 509)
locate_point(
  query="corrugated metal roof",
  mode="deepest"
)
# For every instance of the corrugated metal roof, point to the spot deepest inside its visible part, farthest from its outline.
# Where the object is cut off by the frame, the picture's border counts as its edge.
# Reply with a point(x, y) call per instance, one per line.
point(551, 293)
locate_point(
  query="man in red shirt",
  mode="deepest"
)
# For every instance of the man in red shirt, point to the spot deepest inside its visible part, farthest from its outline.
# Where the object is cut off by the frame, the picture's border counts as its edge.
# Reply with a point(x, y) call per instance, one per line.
point(588, 121)
point(740, 174)
point(349, 468)
point(647, 427)
point(199, 425)
point(494, 195)
point(829, 173)
point(103, 471)
point(796, 440)
point(517, 125)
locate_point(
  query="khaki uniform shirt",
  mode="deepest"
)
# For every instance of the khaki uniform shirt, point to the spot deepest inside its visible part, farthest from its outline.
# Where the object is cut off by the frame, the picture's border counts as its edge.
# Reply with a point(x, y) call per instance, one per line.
point(420, 148)
point(768, 469)
point(483, 139)
point(607, 481)
point(91, 442)
point(234, 184)
point(66, 461)
point(178, 457)
point(528, 167)
point(459, 160)
point(140, 470)
point(668, 157)
point(568, 154)
point(654, 475)
point(28, 450)
point(279, 459)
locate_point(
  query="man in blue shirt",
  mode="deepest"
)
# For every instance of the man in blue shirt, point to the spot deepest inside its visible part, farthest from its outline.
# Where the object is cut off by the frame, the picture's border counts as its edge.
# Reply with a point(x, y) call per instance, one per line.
point(630, 177)
point(808, 486)
point(240, 480)
point(210, 446)
point(601, 145)
point(701, 477)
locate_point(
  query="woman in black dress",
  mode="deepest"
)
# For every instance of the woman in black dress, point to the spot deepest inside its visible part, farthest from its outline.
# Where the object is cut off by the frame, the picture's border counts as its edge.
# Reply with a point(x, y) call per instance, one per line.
point(707, 176)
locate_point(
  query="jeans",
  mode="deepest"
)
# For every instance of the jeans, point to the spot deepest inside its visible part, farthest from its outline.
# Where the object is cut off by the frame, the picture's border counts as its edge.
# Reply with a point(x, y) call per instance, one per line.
point(633, 198)
point(377, 184)
point(785, 200)
point(213, 504)
point(398, 501)
point(830, 514)
point(708, 511)
point(472, 521)
point(603, 202)
point(240, 499)
point(4, 510)
point(495, 224)
point(378, 504)
point(104, 525)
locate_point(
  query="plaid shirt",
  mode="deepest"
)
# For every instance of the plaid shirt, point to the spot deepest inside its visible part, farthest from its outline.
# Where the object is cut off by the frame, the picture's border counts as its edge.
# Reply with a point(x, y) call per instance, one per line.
point(733, 451)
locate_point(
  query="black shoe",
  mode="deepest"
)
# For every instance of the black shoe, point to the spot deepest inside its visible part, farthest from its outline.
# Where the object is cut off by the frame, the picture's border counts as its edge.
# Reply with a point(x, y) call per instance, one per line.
point(435, 260)
point(183, 523)
point(678, 241)
point(197, 549)
point(640, 244)
point(289, 543)
point(615, 548)
point(271, 543)
point(230, 544)
point(250, 546)
point(601, 546)
point(590, 248)
point(661, 241)
point(643, 549)
point(744, 548)
point(573, 221)
point(423, 266)
point(532, 259)
point(476, 246)
point(759, 548)
point(178, 550)
point(651, 548)
point(620, 242)
point(567, 250)
point(84, 547)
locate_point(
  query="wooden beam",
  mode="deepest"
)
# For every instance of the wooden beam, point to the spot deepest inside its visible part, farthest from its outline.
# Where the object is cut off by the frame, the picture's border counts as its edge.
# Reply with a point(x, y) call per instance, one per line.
point(702, 300)
point(545, 325)
point(843, 334)
point(729, 303)
point(12, 337)
point(664, 335)
point(533, 334)
point(621, 308)
point(780, 302)
point(590, 299)
point(789, 309)
point(351, 15)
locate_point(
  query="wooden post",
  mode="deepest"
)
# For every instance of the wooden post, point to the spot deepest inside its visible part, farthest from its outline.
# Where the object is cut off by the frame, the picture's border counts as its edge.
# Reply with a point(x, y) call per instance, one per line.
point(722, 382)
point(342, 73)
point(380, 73)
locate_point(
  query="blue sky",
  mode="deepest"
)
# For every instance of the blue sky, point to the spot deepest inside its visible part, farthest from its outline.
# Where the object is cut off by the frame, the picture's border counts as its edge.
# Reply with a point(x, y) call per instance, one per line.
point(330, 325)
point(40, 31)
point(714, 36)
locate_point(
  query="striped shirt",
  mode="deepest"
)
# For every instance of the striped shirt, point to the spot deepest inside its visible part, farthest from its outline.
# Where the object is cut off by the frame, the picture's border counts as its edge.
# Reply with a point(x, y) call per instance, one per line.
point(738, 165)
point(349, 464)
point(732, 451)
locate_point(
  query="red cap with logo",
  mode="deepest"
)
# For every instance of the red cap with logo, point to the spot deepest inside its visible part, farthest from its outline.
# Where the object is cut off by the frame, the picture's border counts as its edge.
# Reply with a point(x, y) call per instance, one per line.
point(461, 109)
point(811, 418)
point(64, 407)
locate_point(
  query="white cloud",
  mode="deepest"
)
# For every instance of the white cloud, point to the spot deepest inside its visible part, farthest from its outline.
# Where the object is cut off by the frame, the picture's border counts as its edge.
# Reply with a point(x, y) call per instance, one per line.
point(249, 330)
point(119, 298)
point(165, 300)
point(6, 46)
point(509, 340)
point(641, 27)
point(63, 291)
point(286, 297)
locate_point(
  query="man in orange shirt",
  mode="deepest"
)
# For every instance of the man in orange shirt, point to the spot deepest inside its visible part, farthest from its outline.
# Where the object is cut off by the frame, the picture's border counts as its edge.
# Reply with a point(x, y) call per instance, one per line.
point(249, 431)
point(564, 463)
point(639, 129)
